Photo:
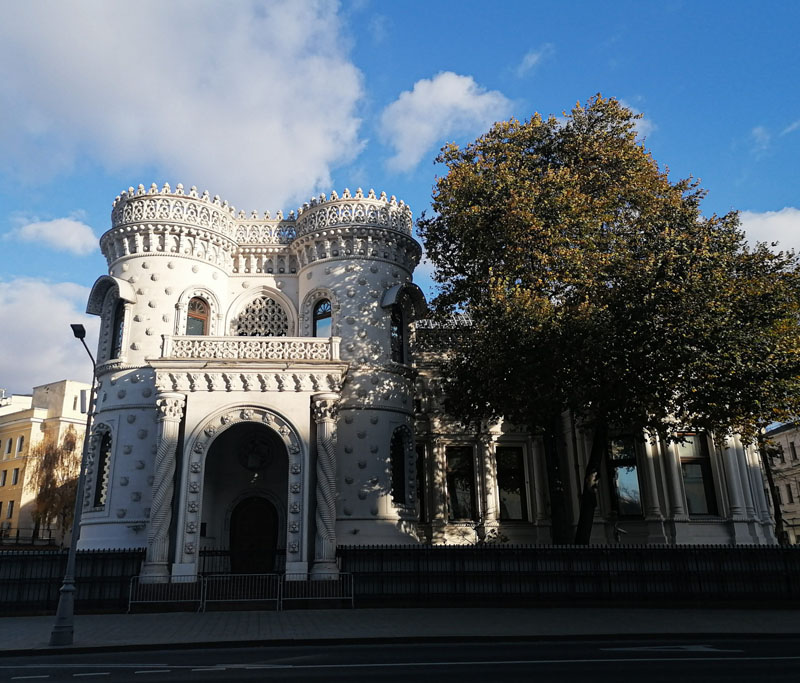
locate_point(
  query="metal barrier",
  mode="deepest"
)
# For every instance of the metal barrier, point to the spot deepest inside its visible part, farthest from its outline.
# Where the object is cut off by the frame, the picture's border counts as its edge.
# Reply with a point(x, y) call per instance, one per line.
point(252, 589)
point(170, 590)
point(249, 588)
point(314, 587)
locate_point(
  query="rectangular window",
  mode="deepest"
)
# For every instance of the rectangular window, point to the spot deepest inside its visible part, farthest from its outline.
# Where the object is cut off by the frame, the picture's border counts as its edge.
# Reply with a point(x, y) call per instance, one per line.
point(778, 495)
point(511, 483)
point(1, 512)
point(626, 493)
point(781, 454)
point(10, 509)
point(460, 480)
point(15, 476)
point(793, 450)
point(789, 494)
point(20, 444)
point(8, 446)
point(698, 481)
point(3, 476)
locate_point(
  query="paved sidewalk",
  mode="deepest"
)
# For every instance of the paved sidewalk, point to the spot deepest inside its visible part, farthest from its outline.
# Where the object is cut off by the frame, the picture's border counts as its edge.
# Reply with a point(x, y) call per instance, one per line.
point(118, 631)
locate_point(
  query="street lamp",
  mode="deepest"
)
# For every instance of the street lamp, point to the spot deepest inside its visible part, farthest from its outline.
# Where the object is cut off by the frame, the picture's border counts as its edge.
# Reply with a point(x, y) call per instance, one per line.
point(64, 626)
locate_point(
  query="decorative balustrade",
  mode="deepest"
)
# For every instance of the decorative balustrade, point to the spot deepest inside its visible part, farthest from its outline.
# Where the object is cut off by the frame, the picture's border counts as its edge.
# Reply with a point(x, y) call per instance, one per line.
point(251, 348)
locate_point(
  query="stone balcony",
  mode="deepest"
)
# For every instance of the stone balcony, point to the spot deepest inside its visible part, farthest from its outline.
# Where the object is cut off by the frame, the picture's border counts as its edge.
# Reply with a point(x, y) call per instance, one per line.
point(251, 348)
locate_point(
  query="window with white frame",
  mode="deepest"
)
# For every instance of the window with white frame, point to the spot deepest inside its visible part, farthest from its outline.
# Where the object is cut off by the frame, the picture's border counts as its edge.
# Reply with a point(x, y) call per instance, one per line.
point(698, 480)
point(322, 318)
point(511, 483)
point(197, 316)
point(626, 494)
point(460, 481)
point(20, 443)
point(8, 445)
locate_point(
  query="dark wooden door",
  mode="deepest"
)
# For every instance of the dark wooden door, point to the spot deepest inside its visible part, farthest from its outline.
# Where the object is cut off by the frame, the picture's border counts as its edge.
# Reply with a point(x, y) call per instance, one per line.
point(254, 536)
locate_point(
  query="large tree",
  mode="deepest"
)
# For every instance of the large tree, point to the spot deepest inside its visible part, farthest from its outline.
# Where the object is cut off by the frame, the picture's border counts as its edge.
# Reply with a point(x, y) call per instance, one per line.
point(54, 466)
point(596, 286)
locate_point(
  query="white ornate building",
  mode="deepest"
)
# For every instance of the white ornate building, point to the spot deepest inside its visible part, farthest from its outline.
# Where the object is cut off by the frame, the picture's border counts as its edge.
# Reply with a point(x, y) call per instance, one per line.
point(257, 393)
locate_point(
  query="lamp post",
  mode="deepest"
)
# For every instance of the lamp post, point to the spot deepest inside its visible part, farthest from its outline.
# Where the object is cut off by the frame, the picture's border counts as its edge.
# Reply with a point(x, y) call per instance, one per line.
point(64, 626)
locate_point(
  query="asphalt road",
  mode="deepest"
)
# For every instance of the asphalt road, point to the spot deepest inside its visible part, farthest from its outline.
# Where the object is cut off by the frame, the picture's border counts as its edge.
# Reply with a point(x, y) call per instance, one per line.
point(673, 660)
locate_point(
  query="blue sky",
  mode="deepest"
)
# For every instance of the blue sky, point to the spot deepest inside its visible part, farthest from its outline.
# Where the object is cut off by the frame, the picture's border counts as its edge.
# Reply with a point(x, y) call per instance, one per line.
point(267, 103)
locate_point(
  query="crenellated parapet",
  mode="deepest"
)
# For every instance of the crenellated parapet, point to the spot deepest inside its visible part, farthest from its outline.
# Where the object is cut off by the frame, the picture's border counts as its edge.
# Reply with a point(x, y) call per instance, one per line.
point(196, 225)
point(354, 210)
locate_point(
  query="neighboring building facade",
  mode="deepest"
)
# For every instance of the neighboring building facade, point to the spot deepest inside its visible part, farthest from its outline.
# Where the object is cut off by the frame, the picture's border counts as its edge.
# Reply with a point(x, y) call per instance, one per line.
point(786, 475)
point(257, 392)
point(25, 421)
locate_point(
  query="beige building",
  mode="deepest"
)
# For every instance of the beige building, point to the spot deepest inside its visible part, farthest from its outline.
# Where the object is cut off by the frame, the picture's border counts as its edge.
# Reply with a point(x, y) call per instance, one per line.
point(786, 473)
point(24, 422)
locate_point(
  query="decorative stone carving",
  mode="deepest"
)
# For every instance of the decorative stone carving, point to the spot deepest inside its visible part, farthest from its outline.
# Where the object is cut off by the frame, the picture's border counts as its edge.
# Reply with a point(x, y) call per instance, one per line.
point(325, 410)
point(245, 348)
point(170, 411)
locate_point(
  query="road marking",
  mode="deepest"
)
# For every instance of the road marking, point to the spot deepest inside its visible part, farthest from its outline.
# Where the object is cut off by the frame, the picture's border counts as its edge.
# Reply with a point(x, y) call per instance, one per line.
point(667, 648)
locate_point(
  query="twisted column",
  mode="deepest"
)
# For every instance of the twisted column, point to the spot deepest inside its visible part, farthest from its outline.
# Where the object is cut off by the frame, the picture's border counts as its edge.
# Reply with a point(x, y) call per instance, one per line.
point(325, 409)
point(170, 412)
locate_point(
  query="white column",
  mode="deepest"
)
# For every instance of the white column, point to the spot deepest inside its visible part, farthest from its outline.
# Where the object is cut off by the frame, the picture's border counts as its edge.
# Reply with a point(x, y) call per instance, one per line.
point(733, 481)
point(488, 460)
point(326, 408)
point(676, 499)
point(744, 478)
point(540, 486)
point(439, 489)
point(652, 509)
point(170, 412)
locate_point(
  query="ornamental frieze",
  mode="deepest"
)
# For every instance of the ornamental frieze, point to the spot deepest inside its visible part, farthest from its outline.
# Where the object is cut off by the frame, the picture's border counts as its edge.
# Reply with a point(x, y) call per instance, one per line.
point(249, 382)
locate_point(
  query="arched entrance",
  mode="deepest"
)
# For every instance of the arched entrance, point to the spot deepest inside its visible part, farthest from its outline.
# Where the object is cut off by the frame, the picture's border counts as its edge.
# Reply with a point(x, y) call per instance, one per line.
point(245, 485)
point(253, 536)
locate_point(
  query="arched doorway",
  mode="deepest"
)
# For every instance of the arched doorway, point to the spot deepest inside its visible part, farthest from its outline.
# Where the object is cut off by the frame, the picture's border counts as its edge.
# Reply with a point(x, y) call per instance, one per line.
point(245, 490)
point(253, 536)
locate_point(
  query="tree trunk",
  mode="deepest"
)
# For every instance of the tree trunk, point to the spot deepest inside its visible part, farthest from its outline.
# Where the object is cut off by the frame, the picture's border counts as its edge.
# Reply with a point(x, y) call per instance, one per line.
point(583, 533)
point(559, 528)
point(780, 532)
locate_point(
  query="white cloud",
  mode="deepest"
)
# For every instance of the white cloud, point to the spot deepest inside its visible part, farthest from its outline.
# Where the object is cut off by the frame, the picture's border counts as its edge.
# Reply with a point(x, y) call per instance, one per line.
point(773, 226)
point(37, 345)
point(63, 234)
point(442, 106)
point(255, 101)
point(643, 126)
point(533, 58)
point(791, 128)
point(759, 139)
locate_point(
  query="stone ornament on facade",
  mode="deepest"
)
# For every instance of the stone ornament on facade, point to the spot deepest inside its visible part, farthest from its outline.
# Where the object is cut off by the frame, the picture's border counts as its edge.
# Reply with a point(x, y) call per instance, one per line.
point(262, 317)
point(170, 412)
point(256, 382)
point(325, 409)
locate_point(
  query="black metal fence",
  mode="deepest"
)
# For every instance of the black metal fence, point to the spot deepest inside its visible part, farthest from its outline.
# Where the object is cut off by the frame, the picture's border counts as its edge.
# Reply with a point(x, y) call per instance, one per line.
point(515, 575)
point(33, 536)
point(457, 575)
point(30, 579)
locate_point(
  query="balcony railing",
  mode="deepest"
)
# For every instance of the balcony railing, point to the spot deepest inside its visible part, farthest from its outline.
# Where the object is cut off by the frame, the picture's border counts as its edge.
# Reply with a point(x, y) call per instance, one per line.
point(251, 348)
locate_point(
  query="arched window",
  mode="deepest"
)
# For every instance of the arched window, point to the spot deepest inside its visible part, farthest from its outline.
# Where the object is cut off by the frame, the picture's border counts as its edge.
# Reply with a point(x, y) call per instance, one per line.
point(397, 333)
point(322, 318)
point(103, 462)
point(397, 457)
point(117, 329)
point(262, 317)
point(197, 316)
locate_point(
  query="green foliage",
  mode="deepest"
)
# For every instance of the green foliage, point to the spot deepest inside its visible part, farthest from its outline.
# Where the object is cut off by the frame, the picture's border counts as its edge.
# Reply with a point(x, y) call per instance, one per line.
point(596, 285)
